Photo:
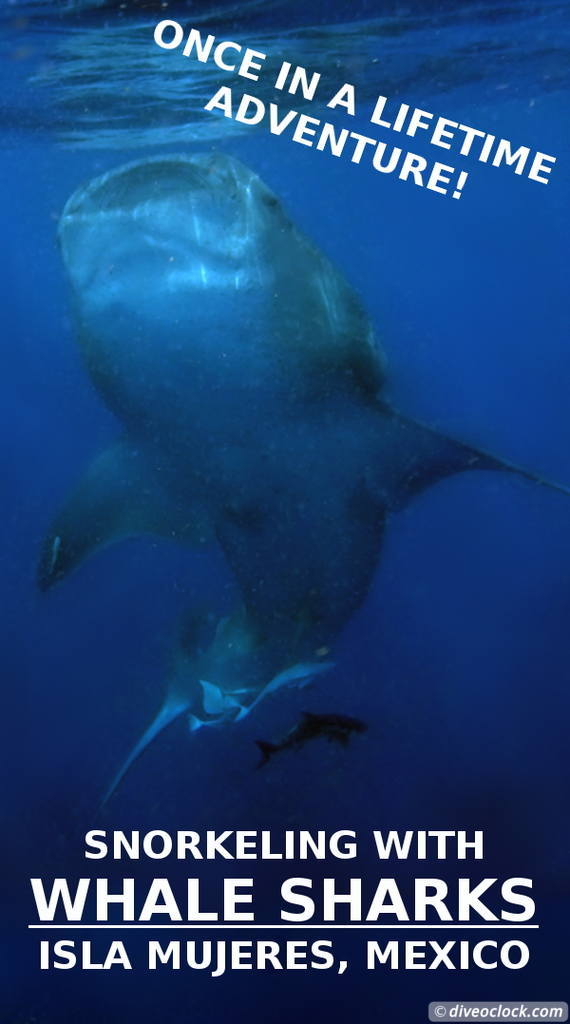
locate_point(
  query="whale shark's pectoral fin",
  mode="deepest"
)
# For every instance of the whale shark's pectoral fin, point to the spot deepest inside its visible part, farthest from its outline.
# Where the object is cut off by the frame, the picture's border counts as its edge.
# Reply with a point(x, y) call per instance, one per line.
point(119, 496)
point(425, 456)
point(102, 508)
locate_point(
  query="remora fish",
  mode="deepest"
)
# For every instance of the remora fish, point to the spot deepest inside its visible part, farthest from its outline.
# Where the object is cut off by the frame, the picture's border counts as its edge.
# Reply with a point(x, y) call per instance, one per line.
point(249, 388)
point(335, 728)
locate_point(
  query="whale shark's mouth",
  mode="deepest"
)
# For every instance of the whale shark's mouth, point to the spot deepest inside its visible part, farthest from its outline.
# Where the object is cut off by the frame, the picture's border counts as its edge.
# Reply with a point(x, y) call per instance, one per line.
point(196, 218)
point(129, 186)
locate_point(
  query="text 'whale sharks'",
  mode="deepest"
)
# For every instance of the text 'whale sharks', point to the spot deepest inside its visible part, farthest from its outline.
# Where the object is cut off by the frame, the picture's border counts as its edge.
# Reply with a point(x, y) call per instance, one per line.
point(249, 387)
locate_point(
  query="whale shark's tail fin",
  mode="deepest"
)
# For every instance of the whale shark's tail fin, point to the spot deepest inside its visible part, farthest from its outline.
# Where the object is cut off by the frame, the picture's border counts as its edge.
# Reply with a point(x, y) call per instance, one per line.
point(427, 455)
point(171, 709)
point(213, 706)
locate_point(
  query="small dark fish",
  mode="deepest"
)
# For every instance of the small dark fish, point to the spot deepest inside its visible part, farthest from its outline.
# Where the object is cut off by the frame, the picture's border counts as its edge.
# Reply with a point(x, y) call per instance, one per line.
point(335, 728)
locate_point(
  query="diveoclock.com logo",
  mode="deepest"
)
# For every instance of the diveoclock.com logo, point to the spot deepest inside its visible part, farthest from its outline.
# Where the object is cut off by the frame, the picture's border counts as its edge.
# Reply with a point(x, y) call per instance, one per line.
point(498, 1011)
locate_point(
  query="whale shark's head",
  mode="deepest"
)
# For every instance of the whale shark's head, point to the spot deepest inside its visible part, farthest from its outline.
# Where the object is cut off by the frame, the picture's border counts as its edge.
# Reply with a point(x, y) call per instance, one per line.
point(179, 224)
point(187, 272)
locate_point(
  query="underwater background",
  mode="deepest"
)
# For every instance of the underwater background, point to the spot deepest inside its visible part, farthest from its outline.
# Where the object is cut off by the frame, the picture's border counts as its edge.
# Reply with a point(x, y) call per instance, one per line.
point(458, 660)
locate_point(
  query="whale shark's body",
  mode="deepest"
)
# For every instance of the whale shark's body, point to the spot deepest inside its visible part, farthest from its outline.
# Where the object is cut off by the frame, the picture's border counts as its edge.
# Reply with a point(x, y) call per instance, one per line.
point(245, 375)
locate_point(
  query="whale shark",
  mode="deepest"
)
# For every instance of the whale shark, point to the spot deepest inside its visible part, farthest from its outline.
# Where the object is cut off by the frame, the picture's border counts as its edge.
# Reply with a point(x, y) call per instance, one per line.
point(250, 392)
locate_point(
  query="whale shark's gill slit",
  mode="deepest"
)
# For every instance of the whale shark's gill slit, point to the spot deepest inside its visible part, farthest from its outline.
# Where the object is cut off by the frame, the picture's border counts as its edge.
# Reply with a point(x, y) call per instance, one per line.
point(172, 708)
point(196, 227)
point(54, 553)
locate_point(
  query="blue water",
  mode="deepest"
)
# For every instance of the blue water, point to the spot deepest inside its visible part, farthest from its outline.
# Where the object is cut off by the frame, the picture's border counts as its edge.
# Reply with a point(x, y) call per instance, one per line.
point(458, 660)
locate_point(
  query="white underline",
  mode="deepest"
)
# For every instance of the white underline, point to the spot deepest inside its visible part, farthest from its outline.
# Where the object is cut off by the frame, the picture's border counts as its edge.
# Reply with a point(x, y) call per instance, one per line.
point(245, 926)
